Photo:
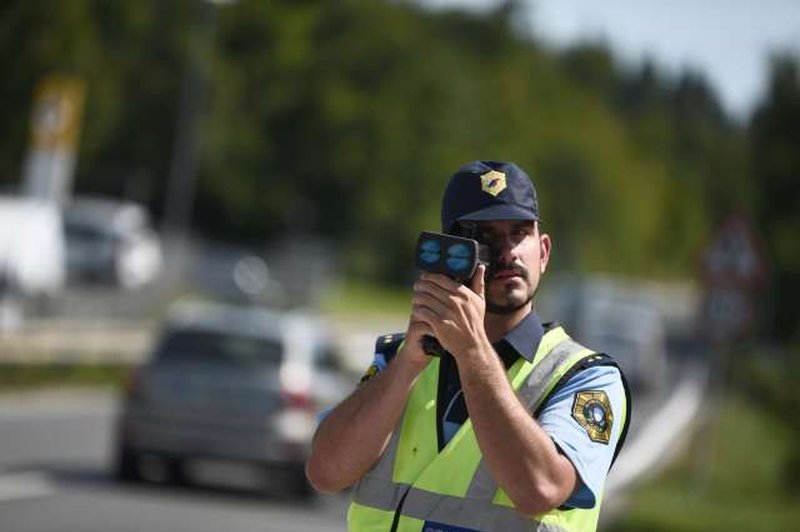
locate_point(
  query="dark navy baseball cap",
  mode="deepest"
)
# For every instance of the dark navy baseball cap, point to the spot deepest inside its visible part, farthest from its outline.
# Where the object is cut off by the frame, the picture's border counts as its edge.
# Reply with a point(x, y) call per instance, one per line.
point(489, 190)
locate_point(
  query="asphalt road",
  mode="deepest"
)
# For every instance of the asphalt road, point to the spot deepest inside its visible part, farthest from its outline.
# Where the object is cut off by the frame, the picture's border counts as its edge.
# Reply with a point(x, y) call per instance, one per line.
point(55, 476)
point(55, 471)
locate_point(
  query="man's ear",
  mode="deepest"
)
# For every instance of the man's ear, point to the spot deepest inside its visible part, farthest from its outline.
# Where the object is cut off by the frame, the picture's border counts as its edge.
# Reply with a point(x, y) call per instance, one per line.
point(545, 245)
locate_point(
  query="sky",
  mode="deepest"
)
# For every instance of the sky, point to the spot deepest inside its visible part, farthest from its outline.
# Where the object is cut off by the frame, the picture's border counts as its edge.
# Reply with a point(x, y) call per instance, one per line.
point(729, 41)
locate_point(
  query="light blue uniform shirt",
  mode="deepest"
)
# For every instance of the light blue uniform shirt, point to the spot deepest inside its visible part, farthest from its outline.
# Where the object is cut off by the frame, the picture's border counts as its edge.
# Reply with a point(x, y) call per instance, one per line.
point(590, 458)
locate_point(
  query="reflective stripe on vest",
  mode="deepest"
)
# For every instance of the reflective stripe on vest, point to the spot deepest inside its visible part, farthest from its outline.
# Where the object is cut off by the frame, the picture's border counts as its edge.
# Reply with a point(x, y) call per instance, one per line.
point(538, 385)
point(473, 514)
point(483, 506)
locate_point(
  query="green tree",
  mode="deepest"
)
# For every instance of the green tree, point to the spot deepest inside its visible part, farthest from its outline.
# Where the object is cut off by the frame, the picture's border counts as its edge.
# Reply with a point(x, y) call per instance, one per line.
point(344, 119)
point(775, 138)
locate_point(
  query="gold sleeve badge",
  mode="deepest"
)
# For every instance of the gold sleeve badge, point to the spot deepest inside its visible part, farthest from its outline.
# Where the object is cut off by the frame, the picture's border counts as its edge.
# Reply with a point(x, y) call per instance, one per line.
point(592, 410)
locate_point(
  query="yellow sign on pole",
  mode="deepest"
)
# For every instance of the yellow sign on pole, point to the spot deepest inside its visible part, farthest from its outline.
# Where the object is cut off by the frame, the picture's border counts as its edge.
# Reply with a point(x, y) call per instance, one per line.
point(55, 127)
point(57, 111)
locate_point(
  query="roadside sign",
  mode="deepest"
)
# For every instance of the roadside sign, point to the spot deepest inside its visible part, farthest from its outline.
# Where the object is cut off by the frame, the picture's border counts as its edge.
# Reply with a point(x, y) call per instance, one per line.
point(734, 257)
point(54, 132)
point(733, 270)
point(56, 114)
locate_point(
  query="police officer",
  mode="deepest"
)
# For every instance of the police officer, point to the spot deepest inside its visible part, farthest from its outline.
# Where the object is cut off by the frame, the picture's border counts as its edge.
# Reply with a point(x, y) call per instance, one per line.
point(513, 428)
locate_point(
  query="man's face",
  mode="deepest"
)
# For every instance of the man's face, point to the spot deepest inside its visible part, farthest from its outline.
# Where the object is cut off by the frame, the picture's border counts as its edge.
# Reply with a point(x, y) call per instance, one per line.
point(520, 253)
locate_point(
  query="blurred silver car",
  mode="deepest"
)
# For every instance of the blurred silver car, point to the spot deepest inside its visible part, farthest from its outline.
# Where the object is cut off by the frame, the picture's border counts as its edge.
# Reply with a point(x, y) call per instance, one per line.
point(633, 333)
point(615, 316)
point(229, 392)
point(111, 241)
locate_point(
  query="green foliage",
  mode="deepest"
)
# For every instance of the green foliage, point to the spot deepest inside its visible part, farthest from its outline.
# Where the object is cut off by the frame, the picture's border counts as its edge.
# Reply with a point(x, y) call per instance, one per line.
point(775, 133)
point(344, 119)
point(129, 55)
point(360, 299)
point(769, 378)
point(19, 376)
point(747, 488)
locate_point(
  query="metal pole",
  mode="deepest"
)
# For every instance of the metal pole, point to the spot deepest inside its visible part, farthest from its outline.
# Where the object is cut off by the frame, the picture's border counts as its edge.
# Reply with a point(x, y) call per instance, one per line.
point(194, 91)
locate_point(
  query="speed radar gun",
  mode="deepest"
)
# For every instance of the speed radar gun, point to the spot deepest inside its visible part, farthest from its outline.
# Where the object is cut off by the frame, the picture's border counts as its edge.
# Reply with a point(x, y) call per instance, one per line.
point(455, 256)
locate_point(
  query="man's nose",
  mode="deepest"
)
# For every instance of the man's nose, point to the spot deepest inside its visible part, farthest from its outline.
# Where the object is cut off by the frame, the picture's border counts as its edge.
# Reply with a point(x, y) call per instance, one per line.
point(504, 249)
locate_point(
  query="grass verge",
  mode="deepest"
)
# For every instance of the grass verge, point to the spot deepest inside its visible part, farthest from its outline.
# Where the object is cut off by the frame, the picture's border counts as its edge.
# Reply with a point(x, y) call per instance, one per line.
point(19, 376)
point(735, 477)
point(359, 298)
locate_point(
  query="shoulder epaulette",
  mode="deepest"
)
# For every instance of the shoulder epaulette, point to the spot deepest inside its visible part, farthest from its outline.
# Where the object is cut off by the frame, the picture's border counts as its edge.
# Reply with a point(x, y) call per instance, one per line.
point(388, 344)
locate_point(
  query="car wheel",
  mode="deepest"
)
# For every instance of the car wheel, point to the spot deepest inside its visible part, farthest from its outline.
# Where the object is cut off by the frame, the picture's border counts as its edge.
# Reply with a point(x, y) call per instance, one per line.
point(287, 482)
point(127, 465)
point(176, 472)
point(302, 489)
point(298, 485)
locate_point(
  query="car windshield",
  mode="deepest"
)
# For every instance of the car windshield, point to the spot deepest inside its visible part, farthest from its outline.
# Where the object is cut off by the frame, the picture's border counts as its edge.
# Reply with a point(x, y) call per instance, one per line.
point(76, 231)
point(211, 346)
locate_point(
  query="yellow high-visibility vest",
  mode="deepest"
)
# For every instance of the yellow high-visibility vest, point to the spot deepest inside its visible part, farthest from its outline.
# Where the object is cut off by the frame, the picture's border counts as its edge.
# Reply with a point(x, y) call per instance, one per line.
point(415, 488)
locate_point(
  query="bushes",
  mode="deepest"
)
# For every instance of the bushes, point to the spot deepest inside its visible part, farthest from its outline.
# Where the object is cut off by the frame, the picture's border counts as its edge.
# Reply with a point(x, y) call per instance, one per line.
point(19, 376)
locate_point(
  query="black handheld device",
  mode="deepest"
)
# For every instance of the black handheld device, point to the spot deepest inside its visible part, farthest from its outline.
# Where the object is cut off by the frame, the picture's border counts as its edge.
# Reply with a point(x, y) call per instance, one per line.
point(455, 256)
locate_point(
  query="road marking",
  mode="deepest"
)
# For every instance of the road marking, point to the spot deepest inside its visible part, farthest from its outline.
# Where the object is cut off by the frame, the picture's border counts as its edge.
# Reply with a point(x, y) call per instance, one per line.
point(25, 485)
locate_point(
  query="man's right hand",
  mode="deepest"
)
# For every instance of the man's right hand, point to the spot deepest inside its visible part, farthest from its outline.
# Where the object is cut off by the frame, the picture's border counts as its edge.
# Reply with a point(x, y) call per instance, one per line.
point(411, 350)
point(353, 435)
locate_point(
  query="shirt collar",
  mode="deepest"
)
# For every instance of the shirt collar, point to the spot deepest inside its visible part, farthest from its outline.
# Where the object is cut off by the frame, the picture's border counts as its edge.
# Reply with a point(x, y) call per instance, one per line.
point(521, 341)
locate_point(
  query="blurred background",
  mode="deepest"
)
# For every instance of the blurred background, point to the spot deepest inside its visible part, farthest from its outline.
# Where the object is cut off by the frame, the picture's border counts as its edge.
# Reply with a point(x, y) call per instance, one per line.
point(208, 210)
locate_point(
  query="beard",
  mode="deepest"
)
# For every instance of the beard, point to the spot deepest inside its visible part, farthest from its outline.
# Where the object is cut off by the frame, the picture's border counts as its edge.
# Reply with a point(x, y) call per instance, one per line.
point(508, 307)
point(510, 304)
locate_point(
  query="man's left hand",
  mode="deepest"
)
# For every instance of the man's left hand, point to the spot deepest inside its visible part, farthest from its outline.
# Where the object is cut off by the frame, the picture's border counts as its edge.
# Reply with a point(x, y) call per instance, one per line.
point(453, 311)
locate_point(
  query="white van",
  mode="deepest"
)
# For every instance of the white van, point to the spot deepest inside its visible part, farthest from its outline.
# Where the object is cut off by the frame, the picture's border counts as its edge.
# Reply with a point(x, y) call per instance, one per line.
point(32, 263)
point(31, 247)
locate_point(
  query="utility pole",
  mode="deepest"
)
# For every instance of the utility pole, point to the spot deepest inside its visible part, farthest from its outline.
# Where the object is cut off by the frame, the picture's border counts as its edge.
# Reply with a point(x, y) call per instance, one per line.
point(182, 180)
point(193, 98)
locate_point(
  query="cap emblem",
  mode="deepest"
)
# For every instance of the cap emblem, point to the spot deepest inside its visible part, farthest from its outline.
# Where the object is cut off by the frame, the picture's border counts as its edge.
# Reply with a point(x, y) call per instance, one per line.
point(493, 182)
